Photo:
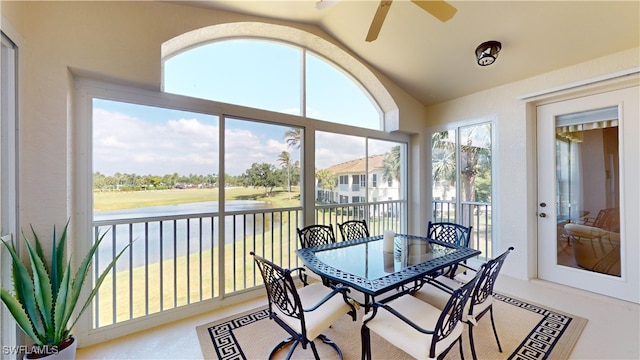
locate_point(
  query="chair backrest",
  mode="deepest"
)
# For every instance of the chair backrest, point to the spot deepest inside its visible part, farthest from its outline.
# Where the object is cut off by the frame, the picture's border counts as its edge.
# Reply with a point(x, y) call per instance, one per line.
point(314, 235)
point(452, 313)
point(449, 232)
point(608, 219)
point(354, 229)
point(487, 276)
point(281, 290)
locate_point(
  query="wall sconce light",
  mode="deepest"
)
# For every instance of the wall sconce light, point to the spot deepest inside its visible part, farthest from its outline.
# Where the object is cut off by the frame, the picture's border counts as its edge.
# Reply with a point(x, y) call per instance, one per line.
point(487, 52)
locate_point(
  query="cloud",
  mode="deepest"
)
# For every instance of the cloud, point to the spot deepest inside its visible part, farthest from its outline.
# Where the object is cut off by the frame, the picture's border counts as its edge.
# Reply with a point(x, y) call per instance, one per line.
point(334, 149)
point(158, 141)
point(129, 144)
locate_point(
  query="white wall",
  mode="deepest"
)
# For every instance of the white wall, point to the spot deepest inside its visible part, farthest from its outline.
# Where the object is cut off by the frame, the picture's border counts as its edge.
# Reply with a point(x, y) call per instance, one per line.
point(515, 201)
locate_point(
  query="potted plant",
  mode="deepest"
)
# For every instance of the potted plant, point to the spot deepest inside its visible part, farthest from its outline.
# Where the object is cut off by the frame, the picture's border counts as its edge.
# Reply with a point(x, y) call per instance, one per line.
point(47, 294)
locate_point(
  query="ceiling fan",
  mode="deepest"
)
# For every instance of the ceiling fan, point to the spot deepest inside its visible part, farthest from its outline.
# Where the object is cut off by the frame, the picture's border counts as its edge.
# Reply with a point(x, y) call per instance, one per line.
point(438, 8)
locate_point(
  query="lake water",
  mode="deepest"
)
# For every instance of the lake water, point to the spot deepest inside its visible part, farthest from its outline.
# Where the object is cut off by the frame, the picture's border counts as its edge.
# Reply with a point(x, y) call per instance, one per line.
point(151, 241)
point(178, 209)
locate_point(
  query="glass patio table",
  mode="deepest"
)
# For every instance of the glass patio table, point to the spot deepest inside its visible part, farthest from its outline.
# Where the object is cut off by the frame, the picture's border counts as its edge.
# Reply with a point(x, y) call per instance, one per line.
point(364, 265)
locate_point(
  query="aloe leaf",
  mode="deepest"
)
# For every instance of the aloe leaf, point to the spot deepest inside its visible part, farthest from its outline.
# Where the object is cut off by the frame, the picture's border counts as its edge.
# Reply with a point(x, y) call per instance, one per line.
point(42, 287)
point(62, 304)
point(37, 241)
point(57, 259)
point(98, 283)
point(25, 292)
point(20, 316)
point(78, 281)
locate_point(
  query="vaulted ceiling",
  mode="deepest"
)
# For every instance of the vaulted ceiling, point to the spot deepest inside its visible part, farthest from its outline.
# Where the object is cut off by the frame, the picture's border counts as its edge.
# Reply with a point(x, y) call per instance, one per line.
point(434, 61)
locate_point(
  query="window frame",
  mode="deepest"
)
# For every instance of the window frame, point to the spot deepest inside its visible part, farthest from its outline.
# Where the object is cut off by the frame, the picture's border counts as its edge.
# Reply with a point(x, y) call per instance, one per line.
point(455, 127)
point(310, 42)
point(88, 88)
point(10, 90)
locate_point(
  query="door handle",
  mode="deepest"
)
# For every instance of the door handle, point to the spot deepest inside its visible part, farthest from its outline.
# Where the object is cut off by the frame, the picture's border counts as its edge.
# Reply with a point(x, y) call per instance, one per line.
point(542, 215)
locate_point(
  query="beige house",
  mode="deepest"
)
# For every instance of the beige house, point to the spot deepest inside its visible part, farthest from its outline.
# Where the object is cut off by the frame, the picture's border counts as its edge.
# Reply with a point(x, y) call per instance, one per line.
point(352, 182)
point(70, 52)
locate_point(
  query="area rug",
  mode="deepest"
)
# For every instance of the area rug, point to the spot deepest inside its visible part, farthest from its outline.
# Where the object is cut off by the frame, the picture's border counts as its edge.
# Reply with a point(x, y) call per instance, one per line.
point(526, 331)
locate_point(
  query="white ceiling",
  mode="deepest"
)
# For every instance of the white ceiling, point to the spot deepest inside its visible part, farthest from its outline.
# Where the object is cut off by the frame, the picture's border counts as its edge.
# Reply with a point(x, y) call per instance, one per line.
point(435, 61)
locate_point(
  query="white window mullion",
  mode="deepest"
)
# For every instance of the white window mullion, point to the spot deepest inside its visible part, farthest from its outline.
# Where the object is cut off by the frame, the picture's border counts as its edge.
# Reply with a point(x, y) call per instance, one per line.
point(9, 222)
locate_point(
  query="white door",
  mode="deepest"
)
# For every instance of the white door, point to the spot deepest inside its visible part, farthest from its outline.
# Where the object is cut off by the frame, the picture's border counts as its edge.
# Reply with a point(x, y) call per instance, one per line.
point(588, 193)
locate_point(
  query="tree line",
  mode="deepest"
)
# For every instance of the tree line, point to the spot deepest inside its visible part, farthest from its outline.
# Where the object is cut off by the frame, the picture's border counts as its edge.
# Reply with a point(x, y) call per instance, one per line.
point(263, 175)
point(258, 175)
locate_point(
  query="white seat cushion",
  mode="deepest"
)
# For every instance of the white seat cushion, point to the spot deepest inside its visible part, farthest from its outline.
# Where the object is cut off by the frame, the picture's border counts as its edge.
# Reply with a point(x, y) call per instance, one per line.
point(403, 336)
point(438, 298)
point(321, 318)
point(435, 296)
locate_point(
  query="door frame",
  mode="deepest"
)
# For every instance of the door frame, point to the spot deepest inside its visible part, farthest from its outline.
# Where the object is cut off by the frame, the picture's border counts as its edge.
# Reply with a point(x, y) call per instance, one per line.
point(626, 286)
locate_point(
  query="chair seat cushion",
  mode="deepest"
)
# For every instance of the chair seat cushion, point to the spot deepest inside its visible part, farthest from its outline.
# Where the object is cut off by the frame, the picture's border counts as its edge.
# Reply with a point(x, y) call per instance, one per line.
point(320, 319)
point(439, 298)
point(405, 337)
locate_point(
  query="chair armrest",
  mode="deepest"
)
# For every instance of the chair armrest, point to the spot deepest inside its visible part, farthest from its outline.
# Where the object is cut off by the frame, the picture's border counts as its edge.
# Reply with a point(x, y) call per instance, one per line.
point(440, 285)
point(467, 266)
point(302, 275)
point(297, 269)
point(393, 311)
point(334, 292)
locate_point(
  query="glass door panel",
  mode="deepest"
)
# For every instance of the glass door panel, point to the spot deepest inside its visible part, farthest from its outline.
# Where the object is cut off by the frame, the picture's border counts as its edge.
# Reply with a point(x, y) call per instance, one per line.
point(588, 191)
point(587, 209)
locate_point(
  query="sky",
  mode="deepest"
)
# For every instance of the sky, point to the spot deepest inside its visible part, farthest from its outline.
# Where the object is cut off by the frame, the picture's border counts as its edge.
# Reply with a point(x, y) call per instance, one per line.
point(132, 138)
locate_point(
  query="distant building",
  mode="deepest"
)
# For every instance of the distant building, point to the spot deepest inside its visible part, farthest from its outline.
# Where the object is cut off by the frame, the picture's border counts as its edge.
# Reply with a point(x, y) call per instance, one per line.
point(352, 183)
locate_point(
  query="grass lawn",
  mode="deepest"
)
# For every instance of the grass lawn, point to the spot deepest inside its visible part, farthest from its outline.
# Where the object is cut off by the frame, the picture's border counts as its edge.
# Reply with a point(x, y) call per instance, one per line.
point(118, 200)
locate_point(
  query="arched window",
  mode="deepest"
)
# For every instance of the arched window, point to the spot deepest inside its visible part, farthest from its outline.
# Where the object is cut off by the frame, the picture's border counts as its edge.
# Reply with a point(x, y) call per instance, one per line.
point(271, 76)
point(277, 68)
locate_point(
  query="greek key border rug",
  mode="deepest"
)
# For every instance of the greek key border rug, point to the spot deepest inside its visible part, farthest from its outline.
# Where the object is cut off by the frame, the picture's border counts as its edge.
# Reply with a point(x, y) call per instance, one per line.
point(527, 331)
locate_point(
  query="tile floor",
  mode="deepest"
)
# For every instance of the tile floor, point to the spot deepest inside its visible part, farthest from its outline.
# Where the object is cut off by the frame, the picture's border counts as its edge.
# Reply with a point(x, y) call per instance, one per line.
point(613, 330)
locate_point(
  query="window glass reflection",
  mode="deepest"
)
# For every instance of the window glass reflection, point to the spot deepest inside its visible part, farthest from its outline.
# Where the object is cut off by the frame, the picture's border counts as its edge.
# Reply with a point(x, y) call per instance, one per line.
point(588, 191)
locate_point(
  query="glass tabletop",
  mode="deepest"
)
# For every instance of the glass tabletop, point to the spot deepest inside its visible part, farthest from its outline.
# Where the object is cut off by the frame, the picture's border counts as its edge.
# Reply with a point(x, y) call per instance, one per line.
point(378, 263)
point(365, 265)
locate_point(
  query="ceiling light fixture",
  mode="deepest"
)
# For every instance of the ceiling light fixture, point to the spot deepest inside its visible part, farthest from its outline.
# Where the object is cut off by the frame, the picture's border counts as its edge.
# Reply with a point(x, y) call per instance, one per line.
point(487, 52)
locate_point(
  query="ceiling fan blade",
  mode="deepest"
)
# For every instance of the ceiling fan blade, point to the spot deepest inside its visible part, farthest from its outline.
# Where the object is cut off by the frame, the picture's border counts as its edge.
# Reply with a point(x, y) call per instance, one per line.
point(324, 4)
point(378, 19)
point(438, 8)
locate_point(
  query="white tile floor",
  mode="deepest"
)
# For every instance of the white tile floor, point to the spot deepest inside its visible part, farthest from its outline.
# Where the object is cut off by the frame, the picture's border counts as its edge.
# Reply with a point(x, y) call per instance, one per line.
point(613, 330)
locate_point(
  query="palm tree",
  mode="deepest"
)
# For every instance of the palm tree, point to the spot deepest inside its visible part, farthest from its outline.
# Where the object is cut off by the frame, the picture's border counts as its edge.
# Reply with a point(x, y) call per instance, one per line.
point(476, 150)
point(391, 164)
point(475, 153)
point(443, 159)
point(285, 160)
point(328, 180)
point(293, 136)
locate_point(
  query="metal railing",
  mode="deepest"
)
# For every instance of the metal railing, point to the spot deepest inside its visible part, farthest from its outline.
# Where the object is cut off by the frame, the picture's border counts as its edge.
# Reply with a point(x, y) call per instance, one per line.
point(380, 216)
point(175, 261)
point(476, 214)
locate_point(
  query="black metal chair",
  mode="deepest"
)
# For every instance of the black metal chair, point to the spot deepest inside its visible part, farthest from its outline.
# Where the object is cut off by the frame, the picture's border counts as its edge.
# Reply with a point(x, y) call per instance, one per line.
point(452, 233)
point(417, 327)
point(449, 232)
point(437, 291)
point(303, 313)
point(314, 235)
point(353, 229)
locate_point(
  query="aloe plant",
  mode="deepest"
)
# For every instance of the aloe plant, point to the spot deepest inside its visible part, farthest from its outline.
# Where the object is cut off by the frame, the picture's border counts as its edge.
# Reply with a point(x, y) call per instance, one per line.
point(47, 294)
